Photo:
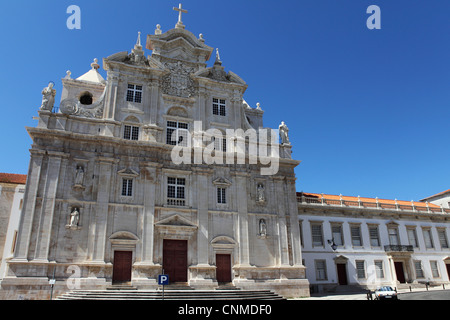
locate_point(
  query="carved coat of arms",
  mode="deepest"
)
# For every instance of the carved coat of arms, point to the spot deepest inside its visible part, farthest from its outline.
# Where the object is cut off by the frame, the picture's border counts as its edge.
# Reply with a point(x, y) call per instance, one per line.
point(178, 82)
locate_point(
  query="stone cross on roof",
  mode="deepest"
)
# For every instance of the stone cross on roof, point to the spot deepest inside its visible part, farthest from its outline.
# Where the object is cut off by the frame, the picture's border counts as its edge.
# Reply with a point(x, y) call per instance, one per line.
point(180, 11)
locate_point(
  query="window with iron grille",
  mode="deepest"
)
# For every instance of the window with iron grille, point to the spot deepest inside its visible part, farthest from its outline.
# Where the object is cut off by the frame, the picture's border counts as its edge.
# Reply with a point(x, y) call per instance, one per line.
point(127, 187)
point(177, 133)
point(220, 144)
point(219, 107)
point(134, 93)
point(221, 195)
point(131, 132)
point(176, 191)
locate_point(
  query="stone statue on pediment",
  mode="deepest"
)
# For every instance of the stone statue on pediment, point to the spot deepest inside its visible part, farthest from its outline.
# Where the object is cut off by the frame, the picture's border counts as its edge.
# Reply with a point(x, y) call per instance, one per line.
point(79, 176)
point(260, 192)
point(284, 133)
point(262, 228)
point(48, 97)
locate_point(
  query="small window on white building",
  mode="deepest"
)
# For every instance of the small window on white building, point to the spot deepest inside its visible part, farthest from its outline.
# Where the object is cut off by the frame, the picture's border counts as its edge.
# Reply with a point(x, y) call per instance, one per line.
point(434, 269)
point(393, 236)
point(336, 231)
point(379, 269)
point(134, 93)
point(355, 231)
point(360, 269)
point(428, 239)
point(374, 236)
point(419, 270)
point(317, 235)
point(321, 270)
point(443, 239)
point(412, 237)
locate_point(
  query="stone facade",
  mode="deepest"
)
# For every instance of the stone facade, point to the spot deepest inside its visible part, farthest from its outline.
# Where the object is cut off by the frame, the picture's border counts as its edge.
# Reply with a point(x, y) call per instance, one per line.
point(102, 180)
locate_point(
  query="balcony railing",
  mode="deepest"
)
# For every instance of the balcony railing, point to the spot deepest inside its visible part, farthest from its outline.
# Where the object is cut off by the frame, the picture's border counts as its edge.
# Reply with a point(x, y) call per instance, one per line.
point(398, 248)
point(176, 202)
point(358, 203)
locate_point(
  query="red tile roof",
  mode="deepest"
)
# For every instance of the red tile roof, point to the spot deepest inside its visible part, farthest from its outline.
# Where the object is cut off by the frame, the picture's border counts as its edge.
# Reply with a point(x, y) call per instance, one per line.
point(437, 194)
point(13, 178)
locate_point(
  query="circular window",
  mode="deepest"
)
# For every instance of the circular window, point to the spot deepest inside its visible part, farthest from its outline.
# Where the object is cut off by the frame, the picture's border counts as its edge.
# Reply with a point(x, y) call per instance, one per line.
point(86, 98)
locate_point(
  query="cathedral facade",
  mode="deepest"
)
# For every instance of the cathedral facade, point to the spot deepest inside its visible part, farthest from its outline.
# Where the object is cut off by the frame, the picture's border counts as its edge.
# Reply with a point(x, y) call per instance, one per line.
point(161, 168)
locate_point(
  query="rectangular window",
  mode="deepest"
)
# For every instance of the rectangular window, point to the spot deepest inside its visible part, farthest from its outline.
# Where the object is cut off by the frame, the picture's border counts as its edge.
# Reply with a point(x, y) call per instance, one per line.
point(127, 187)
point(176, 191)
point(418, 267)
point(393, 236)
point(379, 269)
point(221, 195)
point(177, 133)
point(336, 231)
point(220, 144)
point(317, 236)
point(219, 107)
point(434, 269)
point(356, 236)
point(412, 237)
point(374, 236)
point(360, 269)
point(321, 269)
point(443, 239)
point(131, 133)
point(134, 93)
point(428, 238)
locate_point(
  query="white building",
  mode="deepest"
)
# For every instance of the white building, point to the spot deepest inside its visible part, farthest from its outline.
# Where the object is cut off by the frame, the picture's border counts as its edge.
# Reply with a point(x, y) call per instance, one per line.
point(440, 199)
point(378, 242)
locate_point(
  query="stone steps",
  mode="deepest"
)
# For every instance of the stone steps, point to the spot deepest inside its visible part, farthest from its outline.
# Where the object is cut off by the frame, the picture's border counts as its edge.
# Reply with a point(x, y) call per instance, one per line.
point(170, 295)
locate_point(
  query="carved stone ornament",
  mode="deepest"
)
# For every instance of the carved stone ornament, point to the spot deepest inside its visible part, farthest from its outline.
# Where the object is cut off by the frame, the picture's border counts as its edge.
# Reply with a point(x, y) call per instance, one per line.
point(73, 106)
point(178, 82)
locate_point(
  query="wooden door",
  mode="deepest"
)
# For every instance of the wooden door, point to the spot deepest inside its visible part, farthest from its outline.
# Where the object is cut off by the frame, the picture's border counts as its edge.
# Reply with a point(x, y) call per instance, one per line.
point(342, 273)
point(175, 260)
point(122, 265)
point(448, 270)
point(399, 271)
point(223, 268)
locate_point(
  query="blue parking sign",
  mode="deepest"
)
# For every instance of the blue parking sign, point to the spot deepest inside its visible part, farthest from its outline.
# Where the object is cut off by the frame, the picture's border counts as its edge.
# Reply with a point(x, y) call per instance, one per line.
point(163, 279)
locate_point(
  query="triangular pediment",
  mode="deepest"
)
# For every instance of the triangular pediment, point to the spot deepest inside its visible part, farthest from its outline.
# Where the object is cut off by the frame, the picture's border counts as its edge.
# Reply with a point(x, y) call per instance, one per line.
point(128, 172)
point(222, 182)
point(175, 221)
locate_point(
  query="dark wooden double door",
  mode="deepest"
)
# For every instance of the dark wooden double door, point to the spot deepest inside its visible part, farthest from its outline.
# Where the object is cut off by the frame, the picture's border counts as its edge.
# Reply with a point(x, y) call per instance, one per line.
point(175, 260)
point(223, 268)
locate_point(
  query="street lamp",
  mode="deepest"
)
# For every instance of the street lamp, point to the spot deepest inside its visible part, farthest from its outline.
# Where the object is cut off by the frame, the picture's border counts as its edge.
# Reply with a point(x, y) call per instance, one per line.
point(332, 244)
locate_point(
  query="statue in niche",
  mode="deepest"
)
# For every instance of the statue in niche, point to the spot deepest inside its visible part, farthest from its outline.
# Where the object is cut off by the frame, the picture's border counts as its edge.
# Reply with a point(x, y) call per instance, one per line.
point(79, 176)
point(262, 228)
point(48, 97)
point(74, 218)
point(260, 193)
point(284, 133)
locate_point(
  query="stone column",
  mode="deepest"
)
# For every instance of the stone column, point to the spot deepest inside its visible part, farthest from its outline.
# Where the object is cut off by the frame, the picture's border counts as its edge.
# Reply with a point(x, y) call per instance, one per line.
point(295, 227)
point(29, 204)
point(101, 210)
point(242, 208)
point(111, 98)
point(202, 215)
point(282, 227)
point(48, 206)
point(148, 219)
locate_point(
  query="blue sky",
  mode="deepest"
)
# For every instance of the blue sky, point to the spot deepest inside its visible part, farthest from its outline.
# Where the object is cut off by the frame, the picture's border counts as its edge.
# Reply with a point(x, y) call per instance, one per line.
point(368, 110)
